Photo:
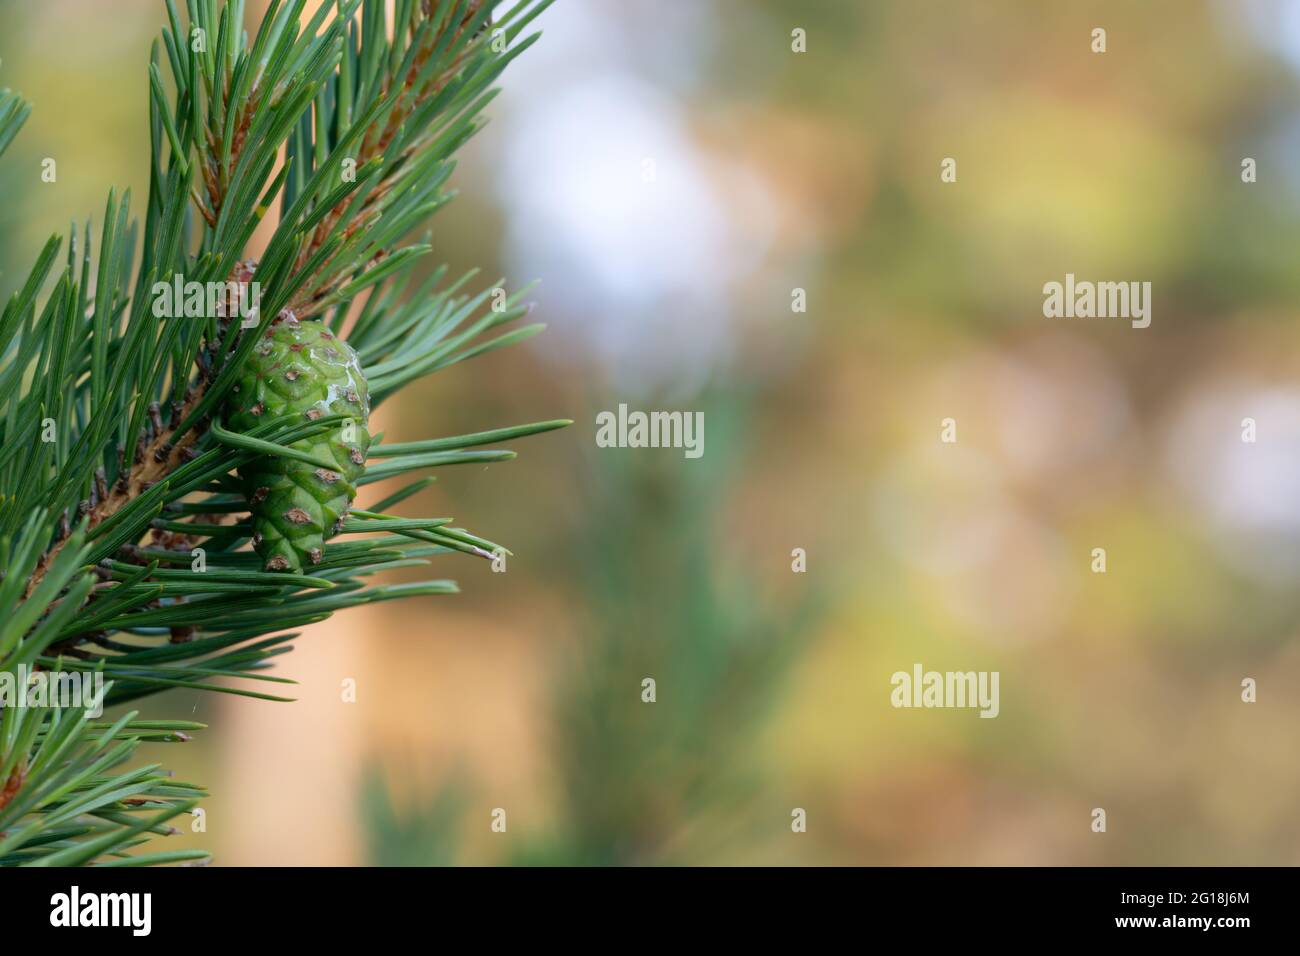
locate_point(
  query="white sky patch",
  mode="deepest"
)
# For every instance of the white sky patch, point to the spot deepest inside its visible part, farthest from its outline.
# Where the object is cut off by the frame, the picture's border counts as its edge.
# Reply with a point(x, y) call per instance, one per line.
point(615, 208)
point(1249, 492)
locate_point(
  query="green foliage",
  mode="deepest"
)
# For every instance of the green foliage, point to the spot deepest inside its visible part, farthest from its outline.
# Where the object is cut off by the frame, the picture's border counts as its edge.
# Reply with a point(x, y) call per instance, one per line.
point(113, 466)
point(676, 781)
point(424, 835)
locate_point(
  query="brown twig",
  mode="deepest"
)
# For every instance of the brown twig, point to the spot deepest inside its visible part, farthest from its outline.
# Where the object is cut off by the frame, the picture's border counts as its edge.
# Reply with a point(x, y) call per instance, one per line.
point(13, 784)
point(215, 174)
point(374, 143)
point(154, 461)
point(157, 452)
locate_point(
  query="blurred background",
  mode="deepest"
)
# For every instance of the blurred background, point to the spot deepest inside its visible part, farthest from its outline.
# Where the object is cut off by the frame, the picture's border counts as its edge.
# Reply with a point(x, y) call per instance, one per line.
point(671, 172)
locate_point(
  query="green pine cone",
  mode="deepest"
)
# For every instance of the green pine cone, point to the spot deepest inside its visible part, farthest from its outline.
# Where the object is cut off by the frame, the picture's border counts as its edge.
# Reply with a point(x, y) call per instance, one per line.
point(301, 371)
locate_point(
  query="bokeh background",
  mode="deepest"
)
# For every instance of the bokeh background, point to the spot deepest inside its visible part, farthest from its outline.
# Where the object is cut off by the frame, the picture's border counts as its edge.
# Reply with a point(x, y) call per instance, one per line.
point(670, 172)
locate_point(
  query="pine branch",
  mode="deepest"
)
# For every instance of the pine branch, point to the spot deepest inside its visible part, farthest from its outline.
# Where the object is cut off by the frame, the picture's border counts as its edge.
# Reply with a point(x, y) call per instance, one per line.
point(116, 466)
